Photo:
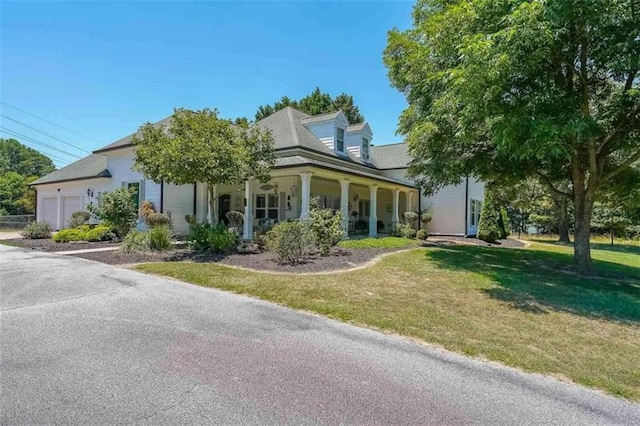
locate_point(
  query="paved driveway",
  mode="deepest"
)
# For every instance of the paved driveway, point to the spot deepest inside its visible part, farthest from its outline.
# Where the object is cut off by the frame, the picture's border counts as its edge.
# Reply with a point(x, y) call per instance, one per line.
point(87, 343)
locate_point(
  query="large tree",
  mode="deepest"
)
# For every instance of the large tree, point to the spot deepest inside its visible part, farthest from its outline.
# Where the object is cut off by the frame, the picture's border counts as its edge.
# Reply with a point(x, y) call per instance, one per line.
point(16, 157)
point(495, 84)
point(199, 146)
point(316, 102)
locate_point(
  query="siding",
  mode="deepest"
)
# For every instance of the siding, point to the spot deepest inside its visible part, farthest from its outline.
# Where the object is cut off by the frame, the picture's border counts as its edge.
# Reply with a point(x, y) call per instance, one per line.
point(476, 192)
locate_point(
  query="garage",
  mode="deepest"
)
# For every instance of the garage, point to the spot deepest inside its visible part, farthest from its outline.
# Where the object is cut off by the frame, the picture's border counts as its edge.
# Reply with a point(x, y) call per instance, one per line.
point(70, 205)
point(50, 211)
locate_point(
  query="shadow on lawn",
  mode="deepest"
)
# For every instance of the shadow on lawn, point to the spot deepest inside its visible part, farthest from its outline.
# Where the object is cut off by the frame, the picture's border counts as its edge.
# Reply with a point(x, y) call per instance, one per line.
point(539, 282)
point(616, 247)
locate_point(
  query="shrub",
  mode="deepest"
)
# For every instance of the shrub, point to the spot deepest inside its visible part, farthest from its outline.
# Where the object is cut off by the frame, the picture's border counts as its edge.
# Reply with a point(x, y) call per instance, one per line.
point(36, 231)
point(160, 238)
point(79, 218)
point(117, 209)
point(158, 219)
point(361, 225)
point(410, 233)
point(190, 219)
point(426, 217)
point(410, 218)
point(68, 235)
point(236, 219)
point(146, 209)
point(291, 242)
point(422, 234)
point(135, 241)
point(326, 226)
point(405, 230)
point(488, 228)
point(260, 238)
point(100, 233)
point(216, 238)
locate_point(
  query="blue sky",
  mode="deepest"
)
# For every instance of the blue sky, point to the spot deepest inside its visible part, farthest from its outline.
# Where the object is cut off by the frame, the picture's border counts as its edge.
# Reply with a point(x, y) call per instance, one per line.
point(102, 69)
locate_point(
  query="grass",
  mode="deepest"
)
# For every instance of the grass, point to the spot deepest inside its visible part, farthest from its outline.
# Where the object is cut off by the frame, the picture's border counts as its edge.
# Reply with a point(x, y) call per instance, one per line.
point(523, 308)
point(382, 243)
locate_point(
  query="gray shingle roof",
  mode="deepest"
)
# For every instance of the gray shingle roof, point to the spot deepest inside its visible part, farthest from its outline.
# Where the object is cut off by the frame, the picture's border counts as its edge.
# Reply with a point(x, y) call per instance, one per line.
point(126, 141)
point(319, 118)
point(91, 166)
point(393, 156)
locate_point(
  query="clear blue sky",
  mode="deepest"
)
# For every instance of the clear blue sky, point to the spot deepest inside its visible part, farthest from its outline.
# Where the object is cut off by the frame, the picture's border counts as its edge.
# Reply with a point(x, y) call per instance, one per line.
point(102, 69)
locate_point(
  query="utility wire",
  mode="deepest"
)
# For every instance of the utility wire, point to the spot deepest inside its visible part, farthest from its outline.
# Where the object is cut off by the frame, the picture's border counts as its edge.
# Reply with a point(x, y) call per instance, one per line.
point(45, 120)
point(46, 134)
point(52, 156)
point(37, 142)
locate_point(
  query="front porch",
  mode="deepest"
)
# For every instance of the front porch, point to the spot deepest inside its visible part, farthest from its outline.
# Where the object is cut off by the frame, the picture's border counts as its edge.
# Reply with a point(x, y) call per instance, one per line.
point(368, 206)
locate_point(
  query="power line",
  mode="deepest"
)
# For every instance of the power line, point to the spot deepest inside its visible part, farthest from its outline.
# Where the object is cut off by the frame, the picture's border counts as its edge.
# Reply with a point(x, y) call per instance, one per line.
point(46, 134)
point(37, 142)
point(45, 120)
point(52, 156)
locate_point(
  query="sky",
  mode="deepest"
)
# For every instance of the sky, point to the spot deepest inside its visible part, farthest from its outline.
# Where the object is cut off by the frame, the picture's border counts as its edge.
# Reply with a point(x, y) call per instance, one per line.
point(84, 74)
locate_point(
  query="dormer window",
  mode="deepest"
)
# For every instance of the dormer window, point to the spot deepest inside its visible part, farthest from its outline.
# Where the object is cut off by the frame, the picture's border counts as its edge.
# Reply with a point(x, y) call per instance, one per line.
point(340, 140)
point(365, 149)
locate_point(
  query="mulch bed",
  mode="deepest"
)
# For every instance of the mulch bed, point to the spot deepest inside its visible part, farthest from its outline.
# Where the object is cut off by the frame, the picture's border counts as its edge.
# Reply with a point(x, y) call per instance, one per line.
point(337, 260)
point(51, 246)
point(508, 242)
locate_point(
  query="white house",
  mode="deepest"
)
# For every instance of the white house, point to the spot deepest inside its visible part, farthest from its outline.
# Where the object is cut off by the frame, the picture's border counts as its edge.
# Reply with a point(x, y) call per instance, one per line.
point(317, 156)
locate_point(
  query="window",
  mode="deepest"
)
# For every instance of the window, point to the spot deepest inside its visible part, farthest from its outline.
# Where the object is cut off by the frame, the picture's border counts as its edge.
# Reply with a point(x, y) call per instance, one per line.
point(365, 148)
point(329, 202)
point(340, 140)
point(267, 206)
point(476, 207)
point(134, 188)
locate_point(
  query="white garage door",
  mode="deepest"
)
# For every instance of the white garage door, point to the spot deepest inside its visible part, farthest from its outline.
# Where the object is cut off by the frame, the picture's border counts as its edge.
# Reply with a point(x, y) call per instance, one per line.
point(50, 211)
point(70, 205)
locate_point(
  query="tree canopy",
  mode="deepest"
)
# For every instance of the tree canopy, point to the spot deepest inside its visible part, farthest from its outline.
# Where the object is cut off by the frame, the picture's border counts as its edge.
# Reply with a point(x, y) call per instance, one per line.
point(522, 88)
point(199, 146)
point(316, 102)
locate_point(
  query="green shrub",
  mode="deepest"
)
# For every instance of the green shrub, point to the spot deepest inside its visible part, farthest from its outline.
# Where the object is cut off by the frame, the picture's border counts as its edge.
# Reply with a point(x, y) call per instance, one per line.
point(425, 217)
point(68, 235)
point(236, 219)
point(135, 241)
point(405, 230)
point(116, 209)
point(326, 226)
point(216, 238)
point(79, 218)
point(36, 231)
point(160, 238)
point(158, 219)
point(410, 233)
point(100, 233)
point(410, 218)
point(291, 242)
point(489, 228)
point(146, 209)
point(422, 234)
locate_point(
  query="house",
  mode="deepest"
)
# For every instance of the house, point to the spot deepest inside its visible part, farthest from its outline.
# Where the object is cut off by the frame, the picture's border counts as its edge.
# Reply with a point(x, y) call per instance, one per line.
point(320, 156)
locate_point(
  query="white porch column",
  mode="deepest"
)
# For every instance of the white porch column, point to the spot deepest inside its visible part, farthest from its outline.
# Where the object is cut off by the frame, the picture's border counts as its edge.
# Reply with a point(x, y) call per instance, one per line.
point(306, 194)
point(60, 220)
point(344, 205)
point(247, 233)
point(396, 202)
point(373, 213)
point(409, 200)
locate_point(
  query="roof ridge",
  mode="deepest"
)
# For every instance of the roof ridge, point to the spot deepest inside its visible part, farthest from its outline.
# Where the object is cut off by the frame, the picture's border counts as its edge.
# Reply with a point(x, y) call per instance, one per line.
point(389, 144)
point(293, 127)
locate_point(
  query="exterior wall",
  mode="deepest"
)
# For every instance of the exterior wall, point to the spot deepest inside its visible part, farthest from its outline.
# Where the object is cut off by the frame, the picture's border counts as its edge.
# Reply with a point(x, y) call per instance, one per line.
point(476, 192)
point(326, 131)
point(179, 202)
point(60, 190)
point(120, 163)
point(353, 142)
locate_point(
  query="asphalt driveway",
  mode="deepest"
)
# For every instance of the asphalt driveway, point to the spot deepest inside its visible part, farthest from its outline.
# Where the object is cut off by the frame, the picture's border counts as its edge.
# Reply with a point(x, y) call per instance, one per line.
point(86, 343)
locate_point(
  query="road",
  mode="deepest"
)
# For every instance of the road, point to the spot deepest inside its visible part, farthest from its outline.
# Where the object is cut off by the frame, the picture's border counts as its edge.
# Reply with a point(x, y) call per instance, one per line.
point(87, 343)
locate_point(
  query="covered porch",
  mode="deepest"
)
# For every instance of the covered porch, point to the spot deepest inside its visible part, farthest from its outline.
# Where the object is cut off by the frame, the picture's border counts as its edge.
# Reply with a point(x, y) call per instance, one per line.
point(368, 206)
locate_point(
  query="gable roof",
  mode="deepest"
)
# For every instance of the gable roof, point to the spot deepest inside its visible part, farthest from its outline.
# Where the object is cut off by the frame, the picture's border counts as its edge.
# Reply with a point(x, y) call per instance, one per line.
point(311, 119)
point(360, 127)
point(126, 141)
point(91, 166)
point(392, 156)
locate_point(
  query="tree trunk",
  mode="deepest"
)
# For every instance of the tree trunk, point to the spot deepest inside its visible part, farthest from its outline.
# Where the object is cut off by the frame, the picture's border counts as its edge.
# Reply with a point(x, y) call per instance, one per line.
point(563, 226)
point(211, 214)
point(581, 245)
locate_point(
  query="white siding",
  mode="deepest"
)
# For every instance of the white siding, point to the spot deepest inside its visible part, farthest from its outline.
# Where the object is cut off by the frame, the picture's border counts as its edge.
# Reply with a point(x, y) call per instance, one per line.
point(447, 210)
point(476, 192)
point(178, 201)
point(325, 131)
point(120, 164)
point(353, 142)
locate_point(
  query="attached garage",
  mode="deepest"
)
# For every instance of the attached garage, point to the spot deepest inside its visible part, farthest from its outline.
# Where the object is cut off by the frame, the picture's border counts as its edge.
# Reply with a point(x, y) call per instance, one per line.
point(70, 205)
point(50, 211)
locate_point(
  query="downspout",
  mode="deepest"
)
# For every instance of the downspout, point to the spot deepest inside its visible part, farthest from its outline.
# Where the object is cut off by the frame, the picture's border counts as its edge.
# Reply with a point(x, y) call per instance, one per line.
point(35, 204)
point(419, 208)
point(466, 207)
point(162, 196)
point(195, 198)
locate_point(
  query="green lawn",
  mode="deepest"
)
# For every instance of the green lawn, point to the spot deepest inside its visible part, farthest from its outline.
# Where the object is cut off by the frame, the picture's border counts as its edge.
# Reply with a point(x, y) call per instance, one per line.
point(382, 242)
point(524, 308)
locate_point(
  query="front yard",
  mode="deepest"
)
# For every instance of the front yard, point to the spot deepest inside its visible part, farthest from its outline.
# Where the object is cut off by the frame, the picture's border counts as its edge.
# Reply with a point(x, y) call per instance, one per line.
point(524, 308)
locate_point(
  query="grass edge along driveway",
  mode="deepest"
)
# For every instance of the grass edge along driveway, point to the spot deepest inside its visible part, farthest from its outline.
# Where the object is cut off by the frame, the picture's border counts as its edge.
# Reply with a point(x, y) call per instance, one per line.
point(523, 308)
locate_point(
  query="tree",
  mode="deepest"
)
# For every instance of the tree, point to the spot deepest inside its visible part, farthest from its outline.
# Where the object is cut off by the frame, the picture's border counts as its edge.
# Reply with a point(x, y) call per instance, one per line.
point(116, 209)
point(316, 102)
point(15, 157)
point(198, 146)
point(489, 226)
point(522, 88)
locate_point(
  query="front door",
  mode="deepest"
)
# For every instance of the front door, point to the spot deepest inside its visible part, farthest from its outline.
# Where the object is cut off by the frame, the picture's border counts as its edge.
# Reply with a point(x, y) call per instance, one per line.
point(224, 206)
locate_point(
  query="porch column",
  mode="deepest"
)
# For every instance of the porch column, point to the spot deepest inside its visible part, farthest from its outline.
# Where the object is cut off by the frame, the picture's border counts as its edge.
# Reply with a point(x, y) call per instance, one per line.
point(373, 213)
point(60, 220)
point(344, 205)
point(247, 231)
point(306, 194)
point(396, 202)
point(409, 200)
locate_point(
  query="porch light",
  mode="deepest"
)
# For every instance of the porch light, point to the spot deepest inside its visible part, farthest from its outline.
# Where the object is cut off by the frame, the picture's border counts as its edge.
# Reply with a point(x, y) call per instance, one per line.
point(89, 193)
point(356, 197)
